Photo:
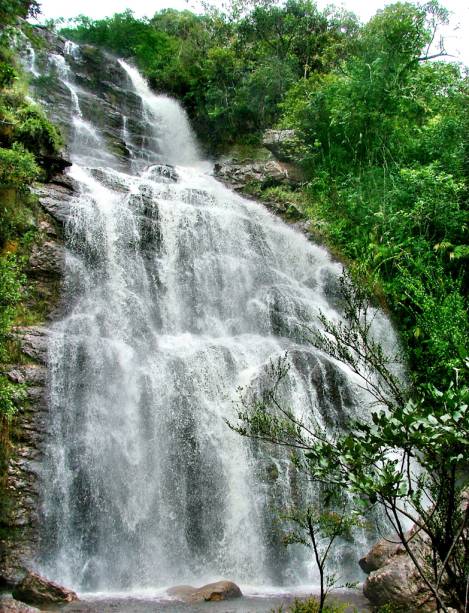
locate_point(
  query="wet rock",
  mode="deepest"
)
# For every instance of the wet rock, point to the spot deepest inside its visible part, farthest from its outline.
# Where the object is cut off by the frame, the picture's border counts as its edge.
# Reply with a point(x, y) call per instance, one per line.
point(393, 578)
point(163, 173)
point(184, 593)
point(47, 259)
point(33, 374)
point(47, 228)
point(55, 198)
point(112, 180)
point(62, 179)
point(10, 605)
point(33, 340)
point(265, 174)
point(20, 518)
point(334, 399)
point(379, 554)
point(220, 590)
point(16, 376)
point(35, 589)
point(54, 42)
point(398, 583)
point(281, 143)
point(53, 164)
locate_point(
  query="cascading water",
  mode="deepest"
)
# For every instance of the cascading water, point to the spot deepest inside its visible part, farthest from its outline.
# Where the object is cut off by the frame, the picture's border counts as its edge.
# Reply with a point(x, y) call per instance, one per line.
point(178, 292)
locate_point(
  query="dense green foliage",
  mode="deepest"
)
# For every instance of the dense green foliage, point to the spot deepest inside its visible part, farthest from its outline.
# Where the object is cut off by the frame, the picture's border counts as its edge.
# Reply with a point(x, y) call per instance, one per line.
point(10, 10)
point(386, 143)
point(27, 140)
point(17, 166)
point(230, 73)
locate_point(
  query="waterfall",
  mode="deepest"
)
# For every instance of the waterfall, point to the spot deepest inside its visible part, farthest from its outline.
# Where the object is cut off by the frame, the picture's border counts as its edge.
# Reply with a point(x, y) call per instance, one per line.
point(166, 122)
point(178, 291)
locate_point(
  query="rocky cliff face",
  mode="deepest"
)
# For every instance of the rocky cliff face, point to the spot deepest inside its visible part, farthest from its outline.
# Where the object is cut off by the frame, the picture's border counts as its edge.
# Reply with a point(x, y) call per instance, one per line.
point(20, 518)
point(93, 75)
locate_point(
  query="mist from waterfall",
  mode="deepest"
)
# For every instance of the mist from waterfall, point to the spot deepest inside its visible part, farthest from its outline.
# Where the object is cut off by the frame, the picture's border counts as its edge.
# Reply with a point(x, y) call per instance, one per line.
point(178, 292)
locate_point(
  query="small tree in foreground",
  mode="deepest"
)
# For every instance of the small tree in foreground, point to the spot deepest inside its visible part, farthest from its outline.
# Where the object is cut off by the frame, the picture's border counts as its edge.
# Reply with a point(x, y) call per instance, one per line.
point(318, 529)
point(410, 458)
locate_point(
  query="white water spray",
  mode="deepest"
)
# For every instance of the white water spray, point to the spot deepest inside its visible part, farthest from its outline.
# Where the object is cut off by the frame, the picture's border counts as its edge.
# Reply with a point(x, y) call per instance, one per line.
point(179, 291)
point(168, 123)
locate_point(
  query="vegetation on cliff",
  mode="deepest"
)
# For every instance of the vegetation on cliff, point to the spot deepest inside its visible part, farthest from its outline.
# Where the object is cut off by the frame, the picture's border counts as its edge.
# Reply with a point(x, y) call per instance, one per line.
point(27, 141)
point(230, 72)
point(386, 146)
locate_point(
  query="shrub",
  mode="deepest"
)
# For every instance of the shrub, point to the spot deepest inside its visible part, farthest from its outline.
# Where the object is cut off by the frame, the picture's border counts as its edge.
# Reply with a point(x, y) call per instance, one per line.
point(35, 132)
point(10, 394)
point(11, 282)
point(17, 167)
point(311, 605)
point(7, 74)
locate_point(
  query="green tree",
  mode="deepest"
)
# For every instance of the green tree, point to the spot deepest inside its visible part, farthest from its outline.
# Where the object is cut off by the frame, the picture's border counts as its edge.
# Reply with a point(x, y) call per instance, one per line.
point(11, 10)
point(318, 528)
point(384, 142)
point(230, 69)
point(410, 458)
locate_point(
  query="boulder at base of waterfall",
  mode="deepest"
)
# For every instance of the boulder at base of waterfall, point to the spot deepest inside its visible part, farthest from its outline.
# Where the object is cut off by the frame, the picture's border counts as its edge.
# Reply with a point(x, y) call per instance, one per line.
point(37, 590)
point(393, 578)
point(221, 590)
point(398, 583)
point(379, 554)
point(10, 605)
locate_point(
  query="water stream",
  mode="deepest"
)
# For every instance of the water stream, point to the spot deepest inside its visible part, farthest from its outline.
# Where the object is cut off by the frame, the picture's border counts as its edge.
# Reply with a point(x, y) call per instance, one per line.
point(178, 292)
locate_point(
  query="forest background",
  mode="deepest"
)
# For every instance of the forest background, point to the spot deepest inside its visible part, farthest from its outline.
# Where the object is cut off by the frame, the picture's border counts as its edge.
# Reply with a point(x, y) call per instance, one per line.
point(381, 133)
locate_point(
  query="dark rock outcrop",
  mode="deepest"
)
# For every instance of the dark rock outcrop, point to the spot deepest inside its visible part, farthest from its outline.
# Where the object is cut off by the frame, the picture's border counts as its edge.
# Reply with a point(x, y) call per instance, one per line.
point(37, 590)
point(20, 496)
point(55, 197)
point(250, 175)
point(393, 578)
point(104, 94)
point(47, 259)
point(244, 176)
point(10, 605)
point(33, 341)
point(282, 144)
point(53, 164)
point(220, 590)
point(264, 174)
